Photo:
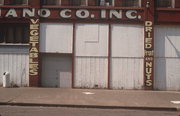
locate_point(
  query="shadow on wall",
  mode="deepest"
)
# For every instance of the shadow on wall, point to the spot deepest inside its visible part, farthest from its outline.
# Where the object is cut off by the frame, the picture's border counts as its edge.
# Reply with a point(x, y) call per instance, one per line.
point(172, 44)
point(160, 63)
point(174, 77)
point(167, 53)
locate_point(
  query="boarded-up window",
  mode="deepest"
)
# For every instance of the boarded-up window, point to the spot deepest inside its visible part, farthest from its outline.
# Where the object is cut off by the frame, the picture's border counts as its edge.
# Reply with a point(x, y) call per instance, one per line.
point(14, 33)
point(92, 40)
point(52, 2)
point(80, 2)
point(165, 3)
point(56, 38)
point(131, 3)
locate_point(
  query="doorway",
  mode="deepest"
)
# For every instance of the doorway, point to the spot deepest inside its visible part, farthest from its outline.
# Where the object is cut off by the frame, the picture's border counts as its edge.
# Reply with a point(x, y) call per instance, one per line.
point(56, 71)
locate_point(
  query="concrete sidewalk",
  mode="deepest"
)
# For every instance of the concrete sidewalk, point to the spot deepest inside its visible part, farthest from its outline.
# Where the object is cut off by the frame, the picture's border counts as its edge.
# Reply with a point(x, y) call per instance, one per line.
point(93, 98)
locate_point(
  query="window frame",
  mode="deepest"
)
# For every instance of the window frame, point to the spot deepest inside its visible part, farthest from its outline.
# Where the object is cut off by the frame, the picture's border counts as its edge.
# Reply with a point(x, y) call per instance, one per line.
point(139, 4)
point(1, 2)
point(46, 1)
point(86, 3)
point(173, 3)
point(21, 38)
point(15, 2)
point(74, 4)
point(105, 4)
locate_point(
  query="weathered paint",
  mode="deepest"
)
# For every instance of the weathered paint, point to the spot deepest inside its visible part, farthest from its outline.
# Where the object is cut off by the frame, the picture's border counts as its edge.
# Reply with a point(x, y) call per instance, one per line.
point(148, 55)
point(167, 57)
point(69, 13)
point(91, 56)
point(126, 73)
point(34, 67)
point(56, 71)
point(56, 38)
point(167, 43)
point(167, 74)
point(149, 44)
point(167, 53)
point(15, 60)
point(127, 57)
point(127, 41)
point(91, 40)
point(91, 72)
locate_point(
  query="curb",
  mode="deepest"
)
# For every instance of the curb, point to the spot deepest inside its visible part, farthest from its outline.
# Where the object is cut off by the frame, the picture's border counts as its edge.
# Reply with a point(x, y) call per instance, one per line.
point(93, 106)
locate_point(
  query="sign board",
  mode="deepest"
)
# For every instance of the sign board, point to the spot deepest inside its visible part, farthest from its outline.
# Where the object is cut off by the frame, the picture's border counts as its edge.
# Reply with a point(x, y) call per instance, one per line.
point(91, 14)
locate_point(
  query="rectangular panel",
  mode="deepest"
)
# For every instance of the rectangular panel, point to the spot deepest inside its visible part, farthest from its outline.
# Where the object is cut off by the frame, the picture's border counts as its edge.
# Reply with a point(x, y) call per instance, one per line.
point(17, 65)
point(127, 40)
point(91, 40)
point(49, 76)
point(56, 71)
point(167, 73)
point(80, 2)
point(106, 2)
point(20, 2)
point(56, 38)
point(165, 3)
point(131, 3)
point(14, 49)
point(167, 42)
point(65, 79)
point(127, 73)
point(167, 62)
point(91, 72)
point(51, 2)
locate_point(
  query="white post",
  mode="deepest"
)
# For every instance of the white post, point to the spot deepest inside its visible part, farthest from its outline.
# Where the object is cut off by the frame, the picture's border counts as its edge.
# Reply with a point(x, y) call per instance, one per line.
point(6, 79)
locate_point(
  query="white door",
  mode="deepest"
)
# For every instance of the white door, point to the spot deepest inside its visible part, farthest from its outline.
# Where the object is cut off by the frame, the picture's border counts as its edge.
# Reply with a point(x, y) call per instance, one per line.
point(127, 56)
point(56, 71)
point(91, 56)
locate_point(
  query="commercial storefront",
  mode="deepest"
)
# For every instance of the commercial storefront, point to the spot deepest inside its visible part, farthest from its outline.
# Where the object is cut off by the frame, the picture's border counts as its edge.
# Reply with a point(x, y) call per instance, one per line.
point(110, 44)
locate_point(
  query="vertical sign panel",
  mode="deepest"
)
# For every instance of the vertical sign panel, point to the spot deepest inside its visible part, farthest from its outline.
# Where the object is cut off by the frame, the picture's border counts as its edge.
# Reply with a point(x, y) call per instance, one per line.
point(149, 55)
point(34, 53)
point(149, 45)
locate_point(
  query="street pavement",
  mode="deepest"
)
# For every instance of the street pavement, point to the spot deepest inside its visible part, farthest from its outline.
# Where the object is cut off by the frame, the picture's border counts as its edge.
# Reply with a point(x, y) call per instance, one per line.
point(91, 98)
point(64, 111)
